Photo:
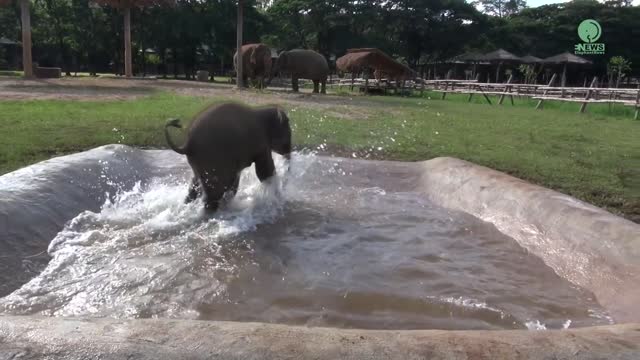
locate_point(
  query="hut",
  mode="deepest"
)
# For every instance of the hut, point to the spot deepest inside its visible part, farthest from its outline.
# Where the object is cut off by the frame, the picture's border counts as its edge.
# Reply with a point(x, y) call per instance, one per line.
point(9, 55)
point(500, 57)
point(530, 59)
point(565, 59)
point(468, 58)
point(363, 60)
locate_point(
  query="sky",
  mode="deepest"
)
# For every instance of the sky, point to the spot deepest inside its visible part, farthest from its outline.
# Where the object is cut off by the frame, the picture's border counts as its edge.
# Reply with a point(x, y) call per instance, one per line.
point(534, 3)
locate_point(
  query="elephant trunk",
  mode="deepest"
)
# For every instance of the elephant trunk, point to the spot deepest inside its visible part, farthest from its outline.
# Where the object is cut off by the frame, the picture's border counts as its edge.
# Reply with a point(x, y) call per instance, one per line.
point(174, 123)
point(273, 72)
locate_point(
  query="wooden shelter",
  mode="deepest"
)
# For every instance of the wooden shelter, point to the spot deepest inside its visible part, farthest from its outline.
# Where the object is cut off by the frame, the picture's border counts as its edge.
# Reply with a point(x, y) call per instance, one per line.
point(358, 60)
point(11, 52)
point(565, 59)
point(530, 59)
point(468, 58)
point(500, 57)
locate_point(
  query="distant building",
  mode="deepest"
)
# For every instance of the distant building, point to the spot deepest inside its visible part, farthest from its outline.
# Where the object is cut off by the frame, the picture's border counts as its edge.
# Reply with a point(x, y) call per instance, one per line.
point(9, 54)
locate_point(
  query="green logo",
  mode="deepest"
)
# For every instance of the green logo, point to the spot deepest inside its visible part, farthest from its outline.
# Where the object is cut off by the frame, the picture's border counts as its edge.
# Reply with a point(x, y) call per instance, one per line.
point(589, 31)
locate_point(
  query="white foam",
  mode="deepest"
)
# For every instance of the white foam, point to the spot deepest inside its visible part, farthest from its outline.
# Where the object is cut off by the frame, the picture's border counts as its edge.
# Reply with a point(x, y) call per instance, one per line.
point(535, 325)
point(468, 303)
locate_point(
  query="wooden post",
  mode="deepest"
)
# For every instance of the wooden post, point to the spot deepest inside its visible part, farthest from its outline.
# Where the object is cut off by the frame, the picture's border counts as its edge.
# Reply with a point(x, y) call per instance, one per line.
point(483, 94)
point(553, 78)
point(239, 58)
point(564, 79)
point(586, 97)
point(635, 117)
point(507, 89)
point(27, 60)
point(128, 71)
point(366, 80)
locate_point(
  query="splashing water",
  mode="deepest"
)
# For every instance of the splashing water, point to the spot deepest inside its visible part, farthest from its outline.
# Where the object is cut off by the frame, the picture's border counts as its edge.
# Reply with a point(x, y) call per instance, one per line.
point(334, 242)
point(138, 255)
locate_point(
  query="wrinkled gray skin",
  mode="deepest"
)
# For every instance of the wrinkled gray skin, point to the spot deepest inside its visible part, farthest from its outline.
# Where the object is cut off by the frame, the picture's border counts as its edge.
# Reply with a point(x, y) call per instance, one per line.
point(223, 140)
point(303, 64)
point(256, 64)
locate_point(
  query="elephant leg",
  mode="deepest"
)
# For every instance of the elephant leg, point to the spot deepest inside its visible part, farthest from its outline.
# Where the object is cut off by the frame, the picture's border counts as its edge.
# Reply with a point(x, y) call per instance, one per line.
point(264, 166)
point(245, 81)
point(316, 84)
point(220, 189)
point(294, 83)
point(194, 190)
point(323, 88)
point(232, 187)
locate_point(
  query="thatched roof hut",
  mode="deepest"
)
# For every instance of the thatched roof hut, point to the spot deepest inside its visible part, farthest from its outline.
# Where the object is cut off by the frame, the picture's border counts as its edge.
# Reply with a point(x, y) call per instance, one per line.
point(356, 60)
point(566, 58)
point(530, 59)
point(500, 55)
point(5, 41)
point(466, 58)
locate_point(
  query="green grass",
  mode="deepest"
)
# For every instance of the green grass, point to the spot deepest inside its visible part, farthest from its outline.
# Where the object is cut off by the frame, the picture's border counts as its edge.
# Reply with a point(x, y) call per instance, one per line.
point(11, 73)
point(593, 156)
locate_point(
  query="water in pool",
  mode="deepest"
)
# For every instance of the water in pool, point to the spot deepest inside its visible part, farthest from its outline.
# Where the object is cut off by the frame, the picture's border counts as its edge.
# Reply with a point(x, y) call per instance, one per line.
point(340, 244)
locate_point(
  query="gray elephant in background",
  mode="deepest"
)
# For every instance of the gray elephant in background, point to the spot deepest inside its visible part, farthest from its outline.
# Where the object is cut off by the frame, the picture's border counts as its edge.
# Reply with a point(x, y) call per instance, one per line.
point(303, 64)
point(223, 140)
point(256, 64)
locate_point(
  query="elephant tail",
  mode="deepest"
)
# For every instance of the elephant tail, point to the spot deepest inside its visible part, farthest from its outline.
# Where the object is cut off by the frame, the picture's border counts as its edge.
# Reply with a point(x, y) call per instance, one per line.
point(174, 123)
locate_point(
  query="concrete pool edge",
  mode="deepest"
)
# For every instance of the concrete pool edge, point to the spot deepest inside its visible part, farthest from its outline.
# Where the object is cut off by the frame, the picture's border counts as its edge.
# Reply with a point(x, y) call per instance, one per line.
point(34, 337)
point(586, 245)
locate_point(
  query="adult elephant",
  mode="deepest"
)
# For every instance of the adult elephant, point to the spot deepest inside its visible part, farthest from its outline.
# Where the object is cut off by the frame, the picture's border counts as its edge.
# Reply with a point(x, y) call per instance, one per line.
point(256, 64)
point(222, 140)
point(303, 64)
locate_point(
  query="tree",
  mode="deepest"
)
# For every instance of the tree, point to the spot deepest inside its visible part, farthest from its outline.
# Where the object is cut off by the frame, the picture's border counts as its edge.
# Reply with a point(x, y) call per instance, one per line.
point(25, 20)
point(239, 60)
point(617, 68)
point(57, 15)
point(126, 7)
point(501, 8)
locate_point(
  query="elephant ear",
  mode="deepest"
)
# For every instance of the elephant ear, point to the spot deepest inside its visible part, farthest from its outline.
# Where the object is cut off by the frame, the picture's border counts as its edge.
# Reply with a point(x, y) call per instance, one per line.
point(280, 133)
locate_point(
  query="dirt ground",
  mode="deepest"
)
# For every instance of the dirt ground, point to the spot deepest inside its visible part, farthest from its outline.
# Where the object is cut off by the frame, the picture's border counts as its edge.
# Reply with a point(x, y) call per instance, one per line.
point(109, 89)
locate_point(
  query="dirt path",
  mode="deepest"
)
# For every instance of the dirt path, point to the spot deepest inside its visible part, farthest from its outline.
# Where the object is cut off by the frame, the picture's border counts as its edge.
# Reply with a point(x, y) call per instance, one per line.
point(110, 89)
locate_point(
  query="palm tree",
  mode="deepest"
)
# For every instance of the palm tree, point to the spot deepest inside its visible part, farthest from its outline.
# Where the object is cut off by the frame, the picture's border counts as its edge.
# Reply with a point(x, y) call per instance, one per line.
point(27, 61)
point(126, 6)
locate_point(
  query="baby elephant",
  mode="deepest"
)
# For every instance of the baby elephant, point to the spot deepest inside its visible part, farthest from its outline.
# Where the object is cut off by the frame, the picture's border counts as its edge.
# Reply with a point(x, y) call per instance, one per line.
point(223, 140)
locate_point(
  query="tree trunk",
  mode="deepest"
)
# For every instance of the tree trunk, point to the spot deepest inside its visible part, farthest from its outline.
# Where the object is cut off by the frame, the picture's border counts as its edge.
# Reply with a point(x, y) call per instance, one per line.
point(144, 61)
point(128, 67)
point(174, 52)
point(239, 61)
point(163, 62)
point(27, 61)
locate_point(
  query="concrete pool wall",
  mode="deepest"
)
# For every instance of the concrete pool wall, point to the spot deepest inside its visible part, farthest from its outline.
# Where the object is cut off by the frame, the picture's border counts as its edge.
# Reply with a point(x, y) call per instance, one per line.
point(584, 244)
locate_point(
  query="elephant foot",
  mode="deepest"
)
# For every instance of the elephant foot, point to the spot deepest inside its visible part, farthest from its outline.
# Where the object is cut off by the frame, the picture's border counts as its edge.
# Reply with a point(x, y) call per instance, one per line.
point(211, 207)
